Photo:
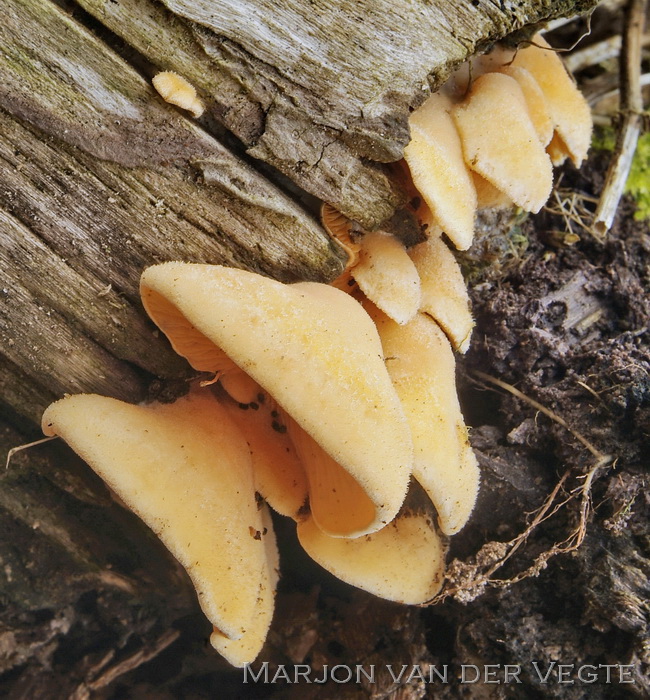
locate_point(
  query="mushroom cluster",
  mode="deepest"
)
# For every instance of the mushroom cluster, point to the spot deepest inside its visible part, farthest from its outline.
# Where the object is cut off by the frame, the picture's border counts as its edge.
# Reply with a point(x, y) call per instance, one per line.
point(336, 405)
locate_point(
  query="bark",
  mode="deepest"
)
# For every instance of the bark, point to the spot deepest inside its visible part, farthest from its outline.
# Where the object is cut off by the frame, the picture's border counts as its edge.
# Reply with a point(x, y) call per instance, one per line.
point(100, 178)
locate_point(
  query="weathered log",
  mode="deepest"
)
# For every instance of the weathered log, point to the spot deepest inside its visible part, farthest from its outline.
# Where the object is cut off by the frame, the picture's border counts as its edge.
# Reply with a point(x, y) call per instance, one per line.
point(100, 178)
point(322, 91)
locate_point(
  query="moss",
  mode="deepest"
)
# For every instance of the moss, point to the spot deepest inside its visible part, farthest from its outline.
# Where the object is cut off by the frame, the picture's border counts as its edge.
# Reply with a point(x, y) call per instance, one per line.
point(638, 181)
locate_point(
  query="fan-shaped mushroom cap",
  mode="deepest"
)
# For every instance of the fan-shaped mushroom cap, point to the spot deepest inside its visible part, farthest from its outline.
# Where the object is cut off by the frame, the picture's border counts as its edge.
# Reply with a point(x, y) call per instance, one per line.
point(185, 470)
point(435, 159)
point(568, 108)
point(538, 107)
point(422, 366)
point(403, 562)
point(500, 142)
point(316, 351)
point(387, 276)
point(245, 650)
point(444, 292)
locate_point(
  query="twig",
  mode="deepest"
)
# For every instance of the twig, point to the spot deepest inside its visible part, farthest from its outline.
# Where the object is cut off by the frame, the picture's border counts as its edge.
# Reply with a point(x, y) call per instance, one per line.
point(598, 53)
point(631, 124)
point(86, 689)
point(15, 450)
point(594, 54)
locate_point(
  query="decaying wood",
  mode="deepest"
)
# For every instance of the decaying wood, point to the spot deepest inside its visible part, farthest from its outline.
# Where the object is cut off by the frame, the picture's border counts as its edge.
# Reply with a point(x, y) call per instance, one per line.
point(321, 90)
point(100, 178)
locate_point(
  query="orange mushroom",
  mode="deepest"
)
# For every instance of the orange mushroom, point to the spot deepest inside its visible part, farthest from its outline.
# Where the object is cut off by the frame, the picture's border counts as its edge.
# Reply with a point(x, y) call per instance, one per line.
point(316, 352)
point(177, 90)
point(184, 468)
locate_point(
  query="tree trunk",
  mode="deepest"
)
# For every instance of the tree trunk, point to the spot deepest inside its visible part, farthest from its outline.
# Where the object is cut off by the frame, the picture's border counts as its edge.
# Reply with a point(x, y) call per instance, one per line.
point(100, 178)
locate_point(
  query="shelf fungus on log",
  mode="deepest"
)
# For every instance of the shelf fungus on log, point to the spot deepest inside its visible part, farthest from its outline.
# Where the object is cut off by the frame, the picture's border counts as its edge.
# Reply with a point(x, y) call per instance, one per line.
point(184, 468)
point(500, 142)
point(316, 353)
point(490, 136)
point(327, 402)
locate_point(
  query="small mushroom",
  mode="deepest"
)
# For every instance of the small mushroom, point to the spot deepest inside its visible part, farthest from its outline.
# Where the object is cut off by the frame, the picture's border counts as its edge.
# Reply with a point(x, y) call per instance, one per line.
point(377, 263)
point(177, 90)
point(569, 110)
point(316, 352)
point(184, 469)
point(500, 142)
point(435, 159)
point(444, 292)
point(421, 364)
point(403, 562)
point(387, 276)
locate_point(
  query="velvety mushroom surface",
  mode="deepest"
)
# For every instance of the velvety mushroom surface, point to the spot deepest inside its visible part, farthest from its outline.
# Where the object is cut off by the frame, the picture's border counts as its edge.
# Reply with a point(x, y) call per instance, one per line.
point(316, 352)
point(184, 468)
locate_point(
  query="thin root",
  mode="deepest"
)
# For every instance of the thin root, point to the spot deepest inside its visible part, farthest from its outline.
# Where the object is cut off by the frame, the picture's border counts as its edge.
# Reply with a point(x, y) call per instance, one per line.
point(466, 581)
point(20, 448)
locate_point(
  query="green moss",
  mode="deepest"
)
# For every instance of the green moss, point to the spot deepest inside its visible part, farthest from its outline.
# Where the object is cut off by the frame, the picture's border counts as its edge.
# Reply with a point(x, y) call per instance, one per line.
point(638, 181)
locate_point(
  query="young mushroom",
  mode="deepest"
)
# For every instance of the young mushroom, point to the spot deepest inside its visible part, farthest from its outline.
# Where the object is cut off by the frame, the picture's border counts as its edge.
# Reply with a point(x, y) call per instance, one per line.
point(386, 274)
point(435, 160)
point(316, 353)
point(177, 90)
point(378, 263)
point(444, 294)
point(184, 469)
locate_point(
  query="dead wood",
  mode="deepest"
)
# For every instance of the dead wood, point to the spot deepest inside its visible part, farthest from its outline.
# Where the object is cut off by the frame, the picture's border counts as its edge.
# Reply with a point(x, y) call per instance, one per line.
point(100, 178)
